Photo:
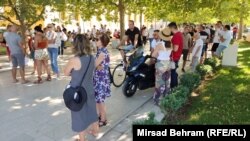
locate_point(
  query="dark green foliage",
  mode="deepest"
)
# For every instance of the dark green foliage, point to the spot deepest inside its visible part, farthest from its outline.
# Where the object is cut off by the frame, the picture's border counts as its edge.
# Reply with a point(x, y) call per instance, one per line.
point(190, 80)
point(204, 70)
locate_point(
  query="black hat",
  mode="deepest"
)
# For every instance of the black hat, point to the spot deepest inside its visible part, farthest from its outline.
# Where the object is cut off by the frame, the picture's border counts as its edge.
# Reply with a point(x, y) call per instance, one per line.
point(38, 29)
point(74, 99)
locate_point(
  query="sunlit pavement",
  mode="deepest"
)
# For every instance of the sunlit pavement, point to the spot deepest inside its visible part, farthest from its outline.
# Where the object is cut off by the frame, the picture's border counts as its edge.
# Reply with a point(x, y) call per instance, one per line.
point(36, 112)
point(33, 112)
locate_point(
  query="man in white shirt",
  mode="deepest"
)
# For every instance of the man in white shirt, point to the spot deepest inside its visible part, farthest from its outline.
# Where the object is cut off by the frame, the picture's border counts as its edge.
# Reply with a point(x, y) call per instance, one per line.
point(216, 40)
point(52, 48)
point(197, 50)
point(78, 30)
point(150, 35)
point(156, 40)
point(225, 39)
point(93, 31)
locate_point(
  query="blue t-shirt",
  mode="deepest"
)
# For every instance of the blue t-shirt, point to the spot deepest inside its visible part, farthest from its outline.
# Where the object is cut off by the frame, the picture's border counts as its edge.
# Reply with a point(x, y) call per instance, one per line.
point(13, 40)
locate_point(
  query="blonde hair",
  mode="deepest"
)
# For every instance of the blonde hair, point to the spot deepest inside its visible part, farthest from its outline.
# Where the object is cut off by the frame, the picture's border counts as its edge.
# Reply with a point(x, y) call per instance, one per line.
point(81, 45)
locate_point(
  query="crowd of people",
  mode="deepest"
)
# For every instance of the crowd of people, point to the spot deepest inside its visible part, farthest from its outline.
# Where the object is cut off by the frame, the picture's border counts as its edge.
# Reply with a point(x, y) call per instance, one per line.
point(167, 45)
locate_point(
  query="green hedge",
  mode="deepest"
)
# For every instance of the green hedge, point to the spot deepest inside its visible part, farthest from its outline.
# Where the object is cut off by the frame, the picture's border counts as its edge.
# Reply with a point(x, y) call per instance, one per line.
point(204, 70)
point(190, 80)
point(149, 121)
point(174, 101)
point(213, 62)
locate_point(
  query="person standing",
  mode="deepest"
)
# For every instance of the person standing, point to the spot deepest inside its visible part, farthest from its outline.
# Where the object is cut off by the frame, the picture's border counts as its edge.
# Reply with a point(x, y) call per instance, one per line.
point(102, 78)
point(225, 39)
point(205, 37)
point(162, 66)
point(7, 47)
point(177, 44)
point(78, 28)
point(17, 53)
point(53, 48)
point(216, 39)
point(151, 35)
point(187, 40)
point(76, 67)
point(197, 50)
point(41, 54)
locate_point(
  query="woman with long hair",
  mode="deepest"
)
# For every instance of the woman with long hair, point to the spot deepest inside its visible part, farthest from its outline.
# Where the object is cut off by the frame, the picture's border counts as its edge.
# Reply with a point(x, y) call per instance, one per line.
point(41, 54)
point(76, 68)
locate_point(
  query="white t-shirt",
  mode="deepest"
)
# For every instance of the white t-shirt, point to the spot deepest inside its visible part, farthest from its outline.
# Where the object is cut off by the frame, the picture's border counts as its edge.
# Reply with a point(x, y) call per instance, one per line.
point(198, 45)
point(216, 36)
point(94, 31)
point(52, 35)
point(208, 31)
point(150, 33)
point(155, 43)
point(227, 36)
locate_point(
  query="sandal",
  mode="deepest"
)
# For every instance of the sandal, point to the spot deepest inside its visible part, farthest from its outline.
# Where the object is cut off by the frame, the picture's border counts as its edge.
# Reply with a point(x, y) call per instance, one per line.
point(102, 123)
point(39, 80)
point(48, 78)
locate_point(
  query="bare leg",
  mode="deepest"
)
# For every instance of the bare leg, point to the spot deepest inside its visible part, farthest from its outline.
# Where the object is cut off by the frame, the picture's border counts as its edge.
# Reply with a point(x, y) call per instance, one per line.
point(184, 64)
point(82, 136)
point(39, 71)
point(22, 74)
point(102, 111)
point(94, 129)
point(34, 68)
point(46, 67)
point(14, 74)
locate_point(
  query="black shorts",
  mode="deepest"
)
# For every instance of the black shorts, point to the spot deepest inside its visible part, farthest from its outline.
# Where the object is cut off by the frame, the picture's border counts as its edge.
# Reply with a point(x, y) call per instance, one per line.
point(185, 54)
point(215, 46)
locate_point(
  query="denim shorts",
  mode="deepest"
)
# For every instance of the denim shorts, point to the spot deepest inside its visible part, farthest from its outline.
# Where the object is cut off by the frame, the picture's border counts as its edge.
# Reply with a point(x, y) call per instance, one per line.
point(220, 49)
point(18, 60)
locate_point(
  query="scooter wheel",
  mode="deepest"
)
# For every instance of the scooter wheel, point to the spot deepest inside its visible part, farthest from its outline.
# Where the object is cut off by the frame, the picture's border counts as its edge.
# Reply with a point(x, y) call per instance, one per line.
point(129, 87)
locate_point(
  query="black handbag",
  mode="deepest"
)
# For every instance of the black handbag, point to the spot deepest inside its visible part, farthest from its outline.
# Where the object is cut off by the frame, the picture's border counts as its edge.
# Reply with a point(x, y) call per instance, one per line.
point(75, 98)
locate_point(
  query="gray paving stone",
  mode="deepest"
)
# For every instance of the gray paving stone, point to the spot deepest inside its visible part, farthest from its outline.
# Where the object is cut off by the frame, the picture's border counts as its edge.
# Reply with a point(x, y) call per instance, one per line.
point(123, 126)
point(111, 136)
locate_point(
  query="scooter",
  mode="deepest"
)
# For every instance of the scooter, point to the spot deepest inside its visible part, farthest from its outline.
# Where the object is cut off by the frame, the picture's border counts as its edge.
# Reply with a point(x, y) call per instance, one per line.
point(139, 76)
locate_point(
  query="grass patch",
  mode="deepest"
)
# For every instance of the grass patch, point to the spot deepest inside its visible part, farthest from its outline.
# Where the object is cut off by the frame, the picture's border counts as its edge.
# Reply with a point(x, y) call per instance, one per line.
point(226, 98)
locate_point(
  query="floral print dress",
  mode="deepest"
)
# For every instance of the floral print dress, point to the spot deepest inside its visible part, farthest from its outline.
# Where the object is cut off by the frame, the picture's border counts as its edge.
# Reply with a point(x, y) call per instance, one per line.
point(102, 78)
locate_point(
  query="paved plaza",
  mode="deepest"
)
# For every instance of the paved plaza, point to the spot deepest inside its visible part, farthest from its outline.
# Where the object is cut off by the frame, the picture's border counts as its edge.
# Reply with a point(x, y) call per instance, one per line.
point(34, 112)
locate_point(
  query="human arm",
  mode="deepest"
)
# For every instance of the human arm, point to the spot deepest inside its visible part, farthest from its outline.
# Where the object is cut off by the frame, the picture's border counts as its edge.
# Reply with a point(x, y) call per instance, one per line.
point(69, 66)
point(136, 39)
point(155, 51)
point(99, 60)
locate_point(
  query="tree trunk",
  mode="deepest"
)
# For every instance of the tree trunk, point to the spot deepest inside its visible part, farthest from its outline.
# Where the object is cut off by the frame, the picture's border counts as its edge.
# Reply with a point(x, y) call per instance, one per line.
point(122, 16)
point(240, 28)
point(241, 21)
point(140, 19)
point(23, 30)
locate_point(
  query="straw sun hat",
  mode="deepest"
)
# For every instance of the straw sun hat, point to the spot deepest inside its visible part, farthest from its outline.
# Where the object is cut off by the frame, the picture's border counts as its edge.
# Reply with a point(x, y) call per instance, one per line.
point(165, 34)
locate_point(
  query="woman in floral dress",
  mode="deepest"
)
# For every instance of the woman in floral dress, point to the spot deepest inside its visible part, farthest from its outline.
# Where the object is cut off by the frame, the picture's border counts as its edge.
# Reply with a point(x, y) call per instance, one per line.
point(102, 78)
